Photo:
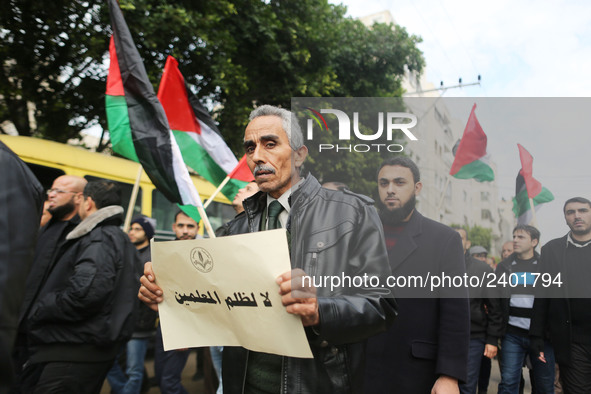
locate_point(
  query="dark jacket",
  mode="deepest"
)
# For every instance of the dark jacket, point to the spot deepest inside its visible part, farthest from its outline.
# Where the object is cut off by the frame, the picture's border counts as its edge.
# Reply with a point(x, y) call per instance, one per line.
point(87, 304)
point(552, 313)
point(486, 318)
point(50, 237)
point(145, 324)
point(21, 202)
point(332, 233)
point(431, 334)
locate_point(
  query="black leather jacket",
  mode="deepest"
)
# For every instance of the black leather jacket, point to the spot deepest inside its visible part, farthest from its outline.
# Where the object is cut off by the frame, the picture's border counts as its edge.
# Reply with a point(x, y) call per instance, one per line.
point(333, 233)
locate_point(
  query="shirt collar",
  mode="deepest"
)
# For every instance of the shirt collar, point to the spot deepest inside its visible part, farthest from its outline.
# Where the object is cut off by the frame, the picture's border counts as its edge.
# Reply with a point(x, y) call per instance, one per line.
point(284, 198)
point(572, 242)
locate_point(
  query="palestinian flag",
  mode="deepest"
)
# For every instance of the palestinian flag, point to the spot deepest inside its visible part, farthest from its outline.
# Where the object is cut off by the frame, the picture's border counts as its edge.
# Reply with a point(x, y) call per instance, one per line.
point(471, 159)
point(242, 172)
point(137, 123)
point(526, 187)
point(199, 139)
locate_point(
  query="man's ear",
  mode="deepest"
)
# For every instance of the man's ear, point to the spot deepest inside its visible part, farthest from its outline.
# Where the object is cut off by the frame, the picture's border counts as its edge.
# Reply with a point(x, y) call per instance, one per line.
point(78, 198)
point(91, 205)
point(299, 156)
point(418, 188)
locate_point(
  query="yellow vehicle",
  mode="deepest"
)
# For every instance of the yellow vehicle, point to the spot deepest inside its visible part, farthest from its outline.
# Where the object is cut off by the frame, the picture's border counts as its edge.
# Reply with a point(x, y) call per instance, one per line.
point(49, 159)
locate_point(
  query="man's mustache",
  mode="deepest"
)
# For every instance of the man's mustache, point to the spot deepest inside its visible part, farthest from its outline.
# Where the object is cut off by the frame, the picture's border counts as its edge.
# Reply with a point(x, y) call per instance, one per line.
point(262, 167)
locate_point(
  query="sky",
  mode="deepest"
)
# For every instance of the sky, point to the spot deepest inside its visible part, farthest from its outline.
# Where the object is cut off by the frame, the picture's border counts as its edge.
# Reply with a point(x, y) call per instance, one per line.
point(521, 49)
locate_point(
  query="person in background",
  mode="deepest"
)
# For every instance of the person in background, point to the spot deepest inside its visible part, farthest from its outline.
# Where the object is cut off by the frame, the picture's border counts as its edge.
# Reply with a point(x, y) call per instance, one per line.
point(517, 300)
point(84, 309)
point(140, 233)
point(485, 318)
point(492, 263)
point(248, 190)
point(426, 349)
point(565, 310)
point(46, 215)
point(479, 253)
point(507, 250)
point(63, 204)
point(335, 186)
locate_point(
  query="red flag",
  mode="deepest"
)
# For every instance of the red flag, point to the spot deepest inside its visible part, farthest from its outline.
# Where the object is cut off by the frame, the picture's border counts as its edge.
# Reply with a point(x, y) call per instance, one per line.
point(242, 172)
point(471, 159)
point(533, 186)
point(202, 146)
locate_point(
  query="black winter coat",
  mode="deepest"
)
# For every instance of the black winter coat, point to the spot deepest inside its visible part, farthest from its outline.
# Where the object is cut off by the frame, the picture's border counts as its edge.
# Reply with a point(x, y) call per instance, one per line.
point(90, 295)
point(430, 336)
point(484, 323)
point(552, 315)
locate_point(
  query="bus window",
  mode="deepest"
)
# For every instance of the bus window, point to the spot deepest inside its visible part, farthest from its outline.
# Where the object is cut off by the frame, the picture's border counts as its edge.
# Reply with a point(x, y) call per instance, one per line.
point(163, 211)
point(126, 189)
point(219, 214)
point(45, 175)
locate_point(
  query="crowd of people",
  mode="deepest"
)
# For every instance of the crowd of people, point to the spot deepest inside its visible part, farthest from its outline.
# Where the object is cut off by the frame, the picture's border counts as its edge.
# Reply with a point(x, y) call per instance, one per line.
point(79, 308)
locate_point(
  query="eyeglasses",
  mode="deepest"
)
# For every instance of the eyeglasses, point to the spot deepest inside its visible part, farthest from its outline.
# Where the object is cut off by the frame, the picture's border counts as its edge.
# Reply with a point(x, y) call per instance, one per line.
point(58, 191)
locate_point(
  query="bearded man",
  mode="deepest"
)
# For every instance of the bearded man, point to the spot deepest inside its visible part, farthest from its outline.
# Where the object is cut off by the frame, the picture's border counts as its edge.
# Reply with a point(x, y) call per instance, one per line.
point(426, 349)
point(563, 311)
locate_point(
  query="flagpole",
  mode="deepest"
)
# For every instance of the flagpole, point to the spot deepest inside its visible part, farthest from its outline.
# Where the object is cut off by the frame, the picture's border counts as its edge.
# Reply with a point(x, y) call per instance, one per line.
point(534, 221)
point(132, 200)
point(220, 187)
point(442, 196)
point(206, 222)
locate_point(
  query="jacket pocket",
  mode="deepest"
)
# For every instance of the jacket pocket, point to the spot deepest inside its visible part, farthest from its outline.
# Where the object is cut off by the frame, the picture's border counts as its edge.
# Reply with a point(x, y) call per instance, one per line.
point(326, 237)
point(426, 350)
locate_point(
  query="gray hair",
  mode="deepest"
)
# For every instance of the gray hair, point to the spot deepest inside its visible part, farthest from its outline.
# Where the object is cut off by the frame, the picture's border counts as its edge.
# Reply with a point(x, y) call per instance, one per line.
point(288, 122)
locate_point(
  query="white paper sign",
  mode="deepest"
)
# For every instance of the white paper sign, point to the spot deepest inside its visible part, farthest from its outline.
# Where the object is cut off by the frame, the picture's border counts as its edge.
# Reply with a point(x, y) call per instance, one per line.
point(222, 292)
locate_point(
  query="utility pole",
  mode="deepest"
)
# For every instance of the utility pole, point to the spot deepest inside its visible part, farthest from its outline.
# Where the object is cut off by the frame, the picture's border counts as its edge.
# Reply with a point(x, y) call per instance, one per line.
point(444, 88)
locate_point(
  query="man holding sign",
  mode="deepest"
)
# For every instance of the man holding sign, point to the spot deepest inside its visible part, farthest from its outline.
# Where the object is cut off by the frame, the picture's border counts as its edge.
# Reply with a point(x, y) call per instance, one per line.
point(332, 234)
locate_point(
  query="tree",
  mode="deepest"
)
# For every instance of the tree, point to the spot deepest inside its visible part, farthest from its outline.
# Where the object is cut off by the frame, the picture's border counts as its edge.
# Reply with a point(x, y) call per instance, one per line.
point(51, 60)
point(478, 236)
point(235, 53)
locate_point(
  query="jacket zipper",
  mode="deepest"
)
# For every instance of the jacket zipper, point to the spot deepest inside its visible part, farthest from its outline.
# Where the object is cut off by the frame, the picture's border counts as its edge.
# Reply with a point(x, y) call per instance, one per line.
point(284, 374)
point(313, 265)
point(244, 374)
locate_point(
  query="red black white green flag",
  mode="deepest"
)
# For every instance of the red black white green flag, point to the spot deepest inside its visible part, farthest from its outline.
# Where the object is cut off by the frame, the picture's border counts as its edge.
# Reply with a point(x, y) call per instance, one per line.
point(201, 144)
point(137, 122)
point(526, 187)
point(471, 158)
